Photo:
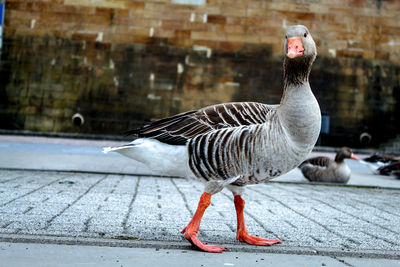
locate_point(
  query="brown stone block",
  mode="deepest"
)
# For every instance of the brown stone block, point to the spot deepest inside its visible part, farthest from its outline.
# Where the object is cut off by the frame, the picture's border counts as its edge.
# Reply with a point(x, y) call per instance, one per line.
point(182, 42)
point(154, 6)
point(266, 39)
point(135, 5)
point(131, 30)
point(259, 13)
point(181, 7)
point(119, 38)
point(335, 27)
point(240, 38)
point(328, 18)
point(105, 11)
point(9, 31)
point(182, 34)
point(95, 27)
point(99, 19)
point(391, 22)
point(235, 20)
point(253, 21)
point(209, 9)
point(270, 31)
point(345, 35)
point(31, 32)
point(182, 16)
point(356, 3)
point(231, 46)
point(172, 24)
point(368, 54)
point(238, 29)
point(383, 55)
point(213, 36)
point(217, 19)
point(15, 5)
point(63, 17)
point(141, 39)
point(47, 25)
point(210, 44)
point(281, 6)
point(61, 34)
point(40, 6)
point(164, 33)
point(124, 20)
point(350, 53)
point(10, 22)
point(391, 30)
point(140, 13)
point(146, 23)
point(10, 14)
point(195, 26)
point(233, 11)
point(84, 36)
point(298, 15)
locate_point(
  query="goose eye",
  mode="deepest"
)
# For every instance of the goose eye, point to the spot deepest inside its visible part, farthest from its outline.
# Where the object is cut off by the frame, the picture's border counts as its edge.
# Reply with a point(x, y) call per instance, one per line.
point(305, 34)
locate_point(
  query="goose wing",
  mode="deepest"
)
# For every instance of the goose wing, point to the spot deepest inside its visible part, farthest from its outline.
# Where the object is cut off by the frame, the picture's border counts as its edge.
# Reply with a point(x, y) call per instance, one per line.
point(178, 129)
point(317, 161)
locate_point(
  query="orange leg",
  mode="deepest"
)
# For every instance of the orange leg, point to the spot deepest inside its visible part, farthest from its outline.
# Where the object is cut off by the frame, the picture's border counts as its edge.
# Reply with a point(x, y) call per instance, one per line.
point(242, 234)
point(192, 228)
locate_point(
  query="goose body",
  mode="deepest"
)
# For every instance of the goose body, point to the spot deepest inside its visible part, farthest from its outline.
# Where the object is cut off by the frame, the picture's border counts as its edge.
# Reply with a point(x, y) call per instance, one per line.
point(324, 169)
point(235, 144)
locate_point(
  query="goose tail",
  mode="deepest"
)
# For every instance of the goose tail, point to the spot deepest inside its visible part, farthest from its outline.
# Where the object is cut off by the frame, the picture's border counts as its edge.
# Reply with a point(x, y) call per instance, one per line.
point(116, 148)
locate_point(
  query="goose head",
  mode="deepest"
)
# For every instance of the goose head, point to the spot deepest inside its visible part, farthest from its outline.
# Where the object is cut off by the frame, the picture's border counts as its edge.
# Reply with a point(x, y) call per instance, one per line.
point(345, 153)
point(299, 43)
point(300, 52)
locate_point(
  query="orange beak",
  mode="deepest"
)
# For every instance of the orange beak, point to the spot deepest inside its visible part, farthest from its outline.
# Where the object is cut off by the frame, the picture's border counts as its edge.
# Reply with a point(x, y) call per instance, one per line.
point(295, 47)
point(352, 156)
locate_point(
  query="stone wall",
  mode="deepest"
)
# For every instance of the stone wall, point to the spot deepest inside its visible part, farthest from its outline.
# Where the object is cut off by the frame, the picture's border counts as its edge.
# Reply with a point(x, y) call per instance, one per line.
point(120, 63)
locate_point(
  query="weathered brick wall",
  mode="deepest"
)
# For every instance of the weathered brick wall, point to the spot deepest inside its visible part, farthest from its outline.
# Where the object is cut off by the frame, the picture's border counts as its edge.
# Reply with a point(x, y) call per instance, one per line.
point(120, 62)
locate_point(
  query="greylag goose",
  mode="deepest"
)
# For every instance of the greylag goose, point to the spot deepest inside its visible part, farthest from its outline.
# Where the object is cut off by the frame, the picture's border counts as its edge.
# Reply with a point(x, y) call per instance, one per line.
point(235, 144)
point(324, 169)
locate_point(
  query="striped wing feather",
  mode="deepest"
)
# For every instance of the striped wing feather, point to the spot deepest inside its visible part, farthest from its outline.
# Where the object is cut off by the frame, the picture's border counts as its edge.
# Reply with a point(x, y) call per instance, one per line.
point(178, 129)
point(317, 161)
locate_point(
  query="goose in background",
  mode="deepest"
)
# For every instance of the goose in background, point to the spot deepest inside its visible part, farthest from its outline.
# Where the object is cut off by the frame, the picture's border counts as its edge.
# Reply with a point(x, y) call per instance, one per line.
point(326, 170)
point(236, 144)
point(377, 163)
point(391, 169)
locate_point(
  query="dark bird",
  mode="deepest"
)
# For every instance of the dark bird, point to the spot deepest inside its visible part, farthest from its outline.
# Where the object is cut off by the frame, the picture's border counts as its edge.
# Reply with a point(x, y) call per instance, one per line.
point(381, 158)
point(324, 169)
point(235, 144)
point(377, 163)
point(391, 169)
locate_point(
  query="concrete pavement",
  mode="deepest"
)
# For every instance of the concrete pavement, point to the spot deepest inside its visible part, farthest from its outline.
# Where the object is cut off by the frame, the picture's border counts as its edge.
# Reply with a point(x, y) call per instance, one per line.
point(60, 191)
point(17, 254)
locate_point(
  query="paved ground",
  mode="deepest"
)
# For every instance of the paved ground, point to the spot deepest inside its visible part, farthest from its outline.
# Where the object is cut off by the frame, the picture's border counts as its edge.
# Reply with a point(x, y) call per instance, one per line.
point(98, 200)
point(17, 254)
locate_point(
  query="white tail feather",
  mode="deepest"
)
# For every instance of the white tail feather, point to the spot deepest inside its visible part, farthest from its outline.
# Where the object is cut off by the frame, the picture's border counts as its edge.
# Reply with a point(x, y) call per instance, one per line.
point(159, 157)
point(115, 148)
